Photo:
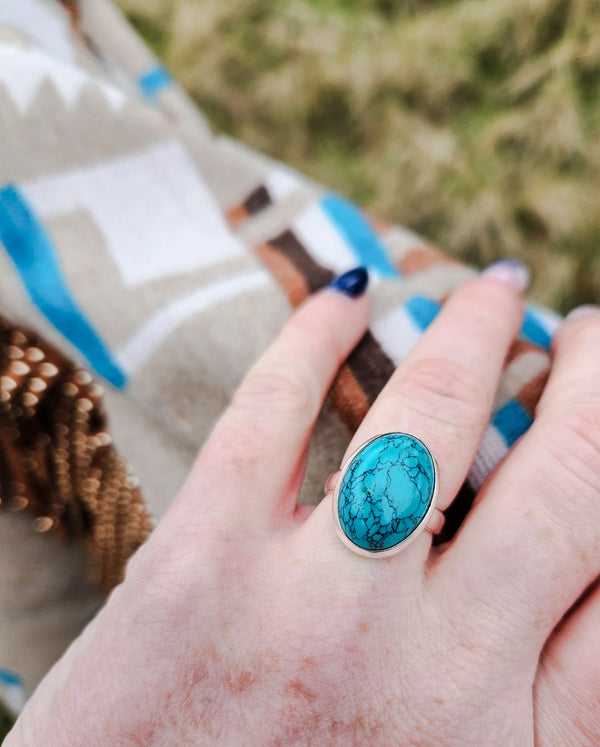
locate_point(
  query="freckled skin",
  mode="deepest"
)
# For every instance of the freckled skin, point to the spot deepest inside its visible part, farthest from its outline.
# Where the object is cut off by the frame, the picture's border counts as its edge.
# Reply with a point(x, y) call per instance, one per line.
point(299, 690)
point(238, 625)
point(242, 681)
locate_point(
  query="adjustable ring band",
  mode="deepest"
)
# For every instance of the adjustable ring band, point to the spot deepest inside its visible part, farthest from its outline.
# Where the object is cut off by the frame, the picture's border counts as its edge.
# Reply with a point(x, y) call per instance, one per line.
point(384, 495)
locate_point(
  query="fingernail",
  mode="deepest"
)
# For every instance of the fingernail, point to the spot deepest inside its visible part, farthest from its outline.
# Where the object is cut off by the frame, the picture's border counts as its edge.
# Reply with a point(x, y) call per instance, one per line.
point(352, 283)
point(511, 272)
point(586, 310)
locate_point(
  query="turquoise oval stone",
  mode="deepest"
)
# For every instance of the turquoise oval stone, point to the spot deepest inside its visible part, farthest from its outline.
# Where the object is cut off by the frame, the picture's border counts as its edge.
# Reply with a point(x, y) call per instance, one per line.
point(385, 491)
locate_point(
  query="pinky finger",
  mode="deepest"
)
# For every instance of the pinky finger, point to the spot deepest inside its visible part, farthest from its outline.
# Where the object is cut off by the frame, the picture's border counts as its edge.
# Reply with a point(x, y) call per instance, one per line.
point(568, 679)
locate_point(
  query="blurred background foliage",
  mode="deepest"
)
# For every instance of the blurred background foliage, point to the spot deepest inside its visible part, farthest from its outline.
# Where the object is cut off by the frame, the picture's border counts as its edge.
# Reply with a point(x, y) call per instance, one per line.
point(473, 122)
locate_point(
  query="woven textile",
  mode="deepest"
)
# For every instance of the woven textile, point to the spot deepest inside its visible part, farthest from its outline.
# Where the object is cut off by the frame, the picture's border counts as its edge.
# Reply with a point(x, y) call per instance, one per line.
point(163, 260)
point(57, 460)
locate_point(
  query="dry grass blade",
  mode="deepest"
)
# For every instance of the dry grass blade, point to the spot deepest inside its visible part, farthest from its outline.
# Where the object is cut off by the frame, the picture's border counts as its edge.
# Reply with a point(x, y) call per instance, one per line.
point(475, 122)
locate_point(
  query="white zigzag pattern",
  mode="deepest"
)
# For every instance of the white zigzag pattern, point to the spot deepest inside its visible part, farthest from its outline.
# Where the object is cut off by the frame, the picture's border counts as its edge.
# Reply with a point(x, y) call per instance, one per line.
point(22, 72)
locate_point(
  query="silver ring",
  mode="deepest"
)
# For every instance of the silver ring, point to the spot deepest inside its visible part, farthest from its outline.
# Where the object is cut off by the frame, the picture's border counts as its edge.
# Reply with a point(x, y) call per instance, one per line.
point(384, 495)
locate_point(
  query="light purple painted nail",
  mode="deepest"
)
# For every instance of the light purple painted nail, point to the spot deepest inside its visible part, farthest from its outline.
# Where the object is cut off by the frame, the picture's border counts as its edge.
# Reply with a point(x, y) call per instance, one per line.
point(511, 272)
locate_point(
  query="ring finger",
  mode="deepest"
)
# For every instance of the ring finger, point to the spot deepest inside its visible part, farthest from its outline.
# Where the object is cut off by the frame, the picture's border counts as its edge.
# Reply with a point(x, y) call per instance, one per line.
point(443, 392)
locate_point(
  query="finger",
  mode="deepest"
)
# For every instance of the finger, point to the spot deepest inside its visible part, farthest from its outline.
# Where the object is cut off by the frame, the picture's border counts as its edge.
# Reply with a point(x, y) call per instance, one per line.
point(532, 544)
point(443, 392)
point(568, 679)
point(251, 463)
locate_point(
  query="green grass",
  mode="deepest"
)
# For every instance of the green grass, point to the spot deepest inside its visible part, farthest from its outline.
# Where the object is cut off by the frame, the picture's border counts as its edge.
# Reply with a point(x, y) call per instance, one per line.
point(474, 122)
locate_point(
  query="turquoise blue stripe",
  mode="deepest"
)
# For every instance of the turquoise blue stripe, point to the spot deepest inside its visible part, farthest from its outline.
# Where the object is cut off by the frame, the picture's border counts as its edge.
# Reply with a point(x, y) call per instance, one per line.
point(10, 678)
point(422, 310)
point(533, 331)
point(154, 81)
point(512, 421)
point(35, 259)
point(369, 251)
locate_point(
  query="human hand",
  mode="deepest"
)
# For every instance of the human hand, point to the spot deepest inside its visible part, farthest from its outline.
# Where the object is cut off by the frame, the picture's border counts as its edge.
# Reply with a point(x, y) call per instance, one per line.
point(245, 620)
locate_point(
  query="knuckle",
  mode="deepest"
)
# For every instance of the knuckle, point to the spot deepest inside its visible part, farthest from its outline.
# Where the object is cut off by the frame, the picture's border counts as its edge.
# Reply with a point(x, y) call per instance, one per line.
point(584, 423)
point(575, 447)
point(588, 324)
point(285, 390)
point(444, 389)
point(583, 331)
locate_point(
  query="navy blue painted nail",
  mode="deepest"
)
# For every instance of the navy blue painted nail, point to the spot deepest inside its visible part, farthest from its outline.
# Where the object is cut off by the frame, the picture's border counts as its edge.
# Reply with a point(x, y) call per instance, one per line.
point(352, 283)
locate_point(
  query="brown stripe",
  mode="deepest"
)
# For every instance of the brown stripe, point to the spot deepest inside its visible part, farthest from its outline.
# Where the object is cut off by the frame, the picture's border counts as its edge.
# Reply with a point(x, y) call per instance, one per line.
point(368, 367)
point(72, 8)
point(371, 366)
point(257, 200)
point(519, 348)
point(422, 258)
point(531, 392)
point(315, 275)
point(348, 398)
point(236, 216)
point(285, 273)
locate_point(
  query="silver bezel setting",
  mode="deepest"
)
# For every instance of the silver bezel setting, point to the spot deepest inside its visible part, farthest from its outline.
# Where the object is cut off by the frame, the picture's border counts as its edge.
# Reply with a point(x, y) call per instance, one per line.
point(432, 511)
